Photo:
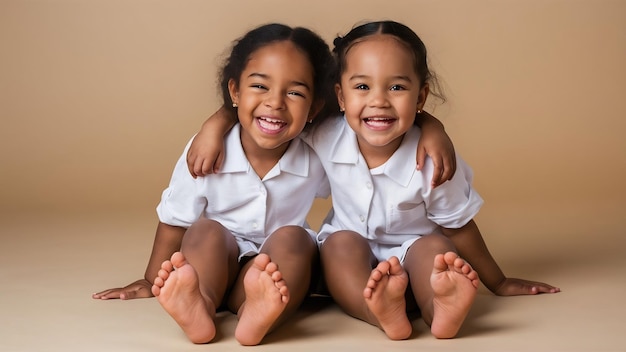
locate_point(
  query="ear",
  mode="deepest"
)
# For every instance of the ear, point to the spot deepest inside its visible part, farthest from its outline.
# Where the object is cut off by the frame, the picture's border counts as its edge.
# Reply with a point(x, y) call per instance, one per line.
point(340, 100)
point(421, 99)
point(233, 90)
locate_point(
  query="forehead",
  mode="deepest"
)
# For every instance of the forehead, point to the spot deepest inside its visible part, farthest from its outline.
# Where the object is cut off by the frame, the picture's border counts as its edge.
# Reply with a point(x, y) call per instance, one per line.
point(380, 49)
point(282, 56)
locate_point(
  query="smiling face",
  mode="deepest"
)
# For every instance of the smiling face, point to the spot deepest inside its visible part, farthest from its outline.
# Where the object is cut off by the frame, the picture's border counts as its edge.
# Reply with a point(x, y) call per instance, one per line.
point(380, 92)
point(274, 96)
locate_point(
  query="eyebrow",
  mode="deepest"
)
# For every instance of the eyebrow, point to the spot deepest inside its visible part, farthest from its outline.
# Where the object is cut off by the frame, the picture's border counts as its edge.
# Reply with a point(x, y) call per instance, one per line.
point(264, 76)
point(358, 76)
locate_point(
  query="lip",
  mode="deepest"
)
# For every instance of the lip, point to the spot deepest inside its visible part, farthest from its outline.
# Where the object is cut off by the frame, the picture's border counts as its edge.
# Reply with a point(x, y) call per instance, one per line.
point(378, 123)
point(270, 124)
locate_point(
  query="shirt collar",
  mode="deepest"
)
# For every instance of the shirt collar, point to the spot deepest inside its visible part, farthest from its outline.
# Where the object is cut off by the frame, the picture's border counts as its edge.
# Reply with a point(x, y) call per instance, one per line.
point(294, 161)
point(400, 167)
point(345, 149)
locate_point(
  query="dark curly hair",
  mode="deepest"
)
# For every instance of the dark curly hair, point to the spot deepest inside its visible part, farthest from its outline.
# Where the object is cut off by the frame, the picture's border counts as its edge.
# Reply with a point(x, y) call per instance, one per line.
point(306, 40)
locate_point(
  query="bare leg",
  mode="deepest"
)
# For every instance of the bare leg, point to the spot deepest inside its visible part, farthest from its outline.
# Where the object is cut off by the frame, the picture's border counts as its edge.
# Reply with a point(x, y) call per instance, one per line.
point(385, 298)
point(267, 296)
point(176, 288)
point(443, 286)
point(294, 252)
point(347, 261)
point(192, 292)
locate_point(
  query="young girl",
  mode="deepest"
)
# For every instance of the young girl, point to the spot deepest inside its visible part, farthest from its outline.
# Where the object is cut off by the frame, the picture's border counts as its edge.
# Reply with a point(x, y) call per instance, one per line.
point(385, 211)
point(391, 231)
point(237, 238)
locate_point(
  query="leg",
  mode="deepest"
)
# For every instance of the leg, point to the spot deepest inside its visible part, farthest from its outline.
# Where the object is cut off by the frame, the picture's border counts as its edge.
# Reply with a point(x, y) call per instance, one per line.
point(347, 261)
point(271, 290)
point(443, 284)
point(192, 292)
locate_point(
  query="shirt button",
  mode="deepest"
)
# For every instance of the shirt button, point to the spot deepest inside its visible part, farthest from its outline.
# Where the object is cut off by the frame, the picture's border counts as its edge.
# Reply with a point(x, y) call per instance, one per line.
point(255, 225)
point(362, 218)
point(368, 185)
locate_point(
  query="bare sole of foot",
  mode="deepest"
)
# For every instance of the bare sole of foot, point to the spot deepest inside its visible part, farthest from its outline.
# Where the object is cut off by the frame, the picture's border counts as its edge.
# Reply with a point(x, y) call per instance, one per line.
point(267, 296)
point(177, 290)
point(385, 297)
point(454, 284)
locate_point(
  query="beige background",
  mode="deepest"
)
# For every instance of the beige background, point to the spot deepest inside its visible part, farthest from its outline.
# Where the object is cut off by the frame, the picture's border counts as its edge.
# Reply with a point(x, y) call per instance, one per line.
point(98, 98)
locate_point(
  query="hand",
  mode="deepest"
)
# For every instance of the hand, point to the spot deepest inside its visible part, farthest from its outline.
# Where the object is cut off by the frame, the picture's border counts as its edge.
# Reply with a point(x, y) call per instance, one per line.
point(205, 155)
point(444, 161)
point(138, 289)
point(437, 144)
point(515, 287)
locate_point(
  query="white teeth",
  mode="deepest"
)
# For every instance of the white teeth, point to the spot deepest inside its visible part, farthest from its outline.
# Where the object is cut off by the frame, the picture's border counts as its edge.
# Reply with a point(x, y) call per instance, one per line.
point(378, 121)
point(271, 124)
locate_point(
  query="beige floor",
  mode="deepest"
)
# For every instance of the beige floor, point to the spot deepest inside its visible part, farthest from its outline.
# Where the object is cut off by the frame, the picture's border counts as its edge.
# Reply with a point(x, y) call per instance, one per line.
point(51, 265)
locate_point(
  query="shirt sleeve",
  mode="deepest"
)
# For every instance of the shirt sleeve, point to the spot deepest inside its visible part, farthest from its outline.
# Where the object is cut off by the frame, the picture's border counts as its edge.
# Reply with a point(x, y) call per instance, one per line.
point(182, 202)
point(454, 203)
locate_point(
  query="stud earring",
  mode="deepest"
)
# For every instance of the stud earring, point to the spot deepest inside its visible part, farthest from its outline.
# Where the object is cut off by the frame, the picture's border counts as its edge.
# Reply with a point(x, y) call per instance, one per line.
point(419, 111)
point(235, 105)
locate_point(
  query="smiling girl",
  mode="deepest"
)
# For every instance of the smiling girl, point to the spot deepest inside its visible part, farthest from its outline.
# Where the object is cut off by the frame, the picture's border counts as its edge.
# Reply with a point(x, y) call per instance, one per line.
point(238, 239)
point(392, 234)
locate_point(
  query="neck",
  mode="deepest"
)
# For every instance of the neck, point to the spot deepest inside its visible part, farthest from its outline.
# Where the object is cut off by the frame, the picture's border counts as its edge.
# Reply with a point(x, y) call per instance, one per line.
point(262, 160)
point(375, 155)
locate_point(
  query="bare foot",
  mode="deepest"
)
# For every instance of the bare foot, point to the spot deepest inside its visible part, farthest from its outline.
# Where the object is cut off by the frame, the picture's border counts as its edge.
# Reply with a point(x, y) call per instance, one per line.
point(176, 288)
point(454, 285)
point(384, 295)
point(266, 298)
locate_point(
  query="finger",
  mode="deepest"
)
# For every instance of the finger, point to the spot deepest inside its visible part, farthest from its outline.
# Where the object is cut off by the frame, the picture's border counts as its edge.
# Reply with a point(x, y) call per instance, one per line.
point(101, 294)
point(205, 167)
point(218, 162)
point(198, 167)
point(191, 164)
point(193, 167)
point(110, 295)
point(437, 171)
point(448, 170)
point(547, 289)
point(421, 157)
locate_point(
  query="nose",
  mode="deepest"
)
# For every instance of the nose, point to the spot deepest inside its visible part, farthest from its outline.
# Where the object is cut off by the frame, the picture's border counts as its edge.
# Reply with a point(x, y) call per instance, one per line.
point(378, 98)
point(275, 100)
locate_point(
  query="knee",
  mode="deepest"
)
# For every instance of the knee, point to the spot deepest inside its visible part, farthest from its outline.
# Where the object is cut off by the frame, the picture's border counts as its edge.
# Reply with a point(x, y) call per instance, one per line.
point(204, 230)
point(437, 242)
point(293, 239)
point(338, 243)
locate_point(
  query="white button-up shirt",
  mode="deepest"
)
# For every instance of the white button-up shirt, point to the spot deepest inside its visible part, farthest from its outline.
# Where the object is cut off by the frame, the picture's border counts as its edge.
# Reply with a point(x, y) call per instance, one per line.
point(393, 203)
point(250, 207)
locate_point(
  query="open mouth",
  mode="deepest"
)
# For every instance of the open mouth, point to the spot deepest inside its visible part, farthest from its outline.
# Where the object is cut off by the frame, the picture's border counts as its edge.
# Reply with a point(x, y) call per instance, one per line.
point(379, 121)
point(269, 124)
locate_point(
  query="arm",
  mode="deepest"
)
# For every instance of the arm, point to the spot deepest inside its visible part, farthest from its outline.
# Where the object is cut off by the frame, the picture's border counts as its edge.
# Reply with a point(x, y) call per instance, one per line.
point(206, 153)
point(166, 241)
point(471, 246)
point(437, 144)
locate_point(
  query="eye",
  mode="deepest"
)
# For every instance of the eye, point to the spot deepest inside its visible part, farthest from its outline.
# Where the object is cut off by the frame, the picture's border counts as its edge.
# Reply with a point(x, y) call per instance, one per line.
point(397, 87)
point(258, 86)
point(296, 93)
point(361, 87)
